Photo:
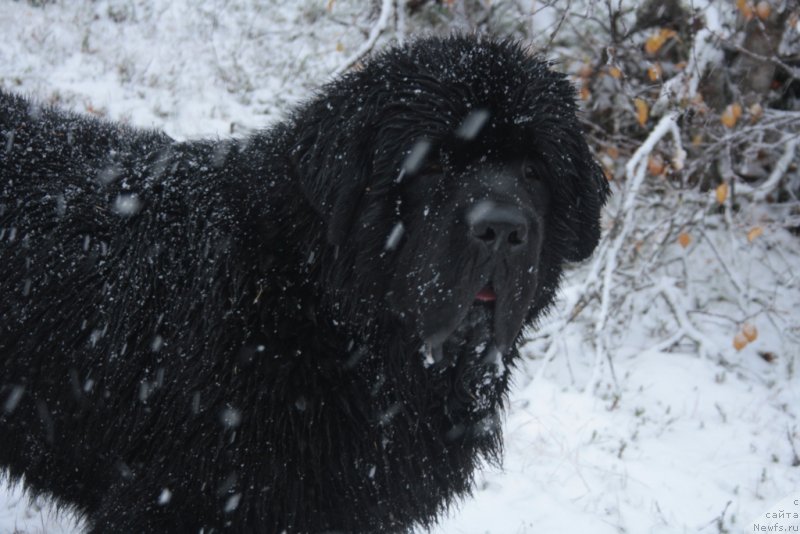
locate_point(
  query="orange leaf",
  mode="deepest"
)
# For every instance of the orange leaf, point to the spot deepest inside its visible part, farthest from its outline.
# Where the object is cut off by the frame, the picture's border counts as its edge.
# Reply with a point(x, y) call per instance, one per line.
point(655, 165)
point(657, 40)
point(654, 72)
point(722, 192)
point(754, 233)
point(615, 72)
point(750, 332)
point(746, 8)
point(731, 115)
point(684, 239)
point(653, 43)
point(585, 93)
point(739, 341)
point(642, 111)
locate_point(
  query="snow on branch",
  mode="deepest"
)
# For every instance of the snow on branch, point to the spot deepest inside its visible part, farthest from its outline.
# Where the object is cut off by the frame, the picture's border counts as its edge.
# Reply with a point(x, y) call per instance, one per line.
point(779, 171)
point(684, 85)
point(387, 8)
point(608, 258)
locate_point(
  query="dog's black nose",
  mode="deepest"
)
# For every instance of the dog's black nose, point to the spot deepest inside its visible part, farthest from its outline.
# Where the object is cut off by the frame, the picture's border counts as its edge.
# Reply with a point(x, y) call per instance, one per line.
point(498, 225)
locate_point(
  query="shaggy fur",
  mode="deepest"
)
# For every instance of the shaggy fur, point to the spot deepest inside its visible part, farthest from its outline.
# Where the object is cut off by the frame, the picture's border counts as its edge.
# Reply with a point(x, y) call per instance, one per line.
point(309, 330)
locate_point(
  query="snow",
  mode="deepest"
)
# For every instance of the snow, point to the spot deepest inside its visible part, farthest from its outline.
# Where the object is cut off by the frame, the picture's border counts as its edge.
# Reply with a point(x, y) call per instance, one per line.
point(394, 236)
point(472, 124)
point(416, 157)
point(682, 434)
point(127, 205)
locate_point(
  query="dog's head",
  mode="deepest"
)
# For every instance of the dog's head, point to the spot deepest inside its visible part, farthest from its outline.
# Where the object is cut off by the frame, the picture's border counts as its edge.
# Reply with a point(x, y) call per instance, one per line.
point(453, 179)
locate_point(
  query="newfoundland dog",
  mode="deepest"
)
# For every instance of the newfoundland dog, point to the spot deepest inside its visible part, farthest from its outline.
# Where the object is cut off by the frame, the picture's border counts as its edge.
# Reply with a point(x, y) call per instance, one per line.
point(308, 330)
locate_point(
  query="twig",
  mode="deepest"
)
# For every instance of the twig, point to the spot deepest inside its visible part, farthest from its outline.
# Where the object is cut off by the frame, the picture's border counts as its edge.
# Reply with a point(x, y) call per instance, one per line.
point(796, 458)
point(400, 15)
point(719, 521)
point(684, 323)
point(734, 280)
point(564, 14)
point(387, 7)
point(791, 71)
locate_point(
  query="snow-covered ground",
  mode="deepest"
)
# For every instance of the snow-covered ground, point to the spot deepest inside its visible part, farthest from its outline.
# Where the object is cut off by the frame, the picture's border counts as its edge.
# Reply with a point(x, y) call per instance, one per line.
point(675, 431)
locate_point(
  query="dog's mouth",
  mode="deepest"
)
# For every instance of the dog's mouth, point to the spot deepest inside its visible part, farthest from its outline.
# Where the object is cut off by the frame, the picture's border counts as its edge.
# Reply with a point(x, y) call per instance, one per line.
point(489, 318)
point(470, 363)
point(472, 327)
point(486, 295)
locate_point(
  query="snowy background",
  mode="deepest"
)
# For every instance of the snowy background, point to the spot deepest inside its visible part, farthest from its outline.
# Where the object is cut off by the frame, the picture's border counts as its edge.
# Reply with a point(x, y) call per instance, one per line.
point(632, 411)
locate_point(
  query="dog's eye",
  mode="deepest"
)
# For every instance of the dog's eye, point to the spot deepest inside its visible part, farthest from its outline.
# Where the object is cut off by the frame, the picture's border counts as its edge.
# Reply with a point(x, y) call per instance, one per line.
point(531, 171)
point(433, 168)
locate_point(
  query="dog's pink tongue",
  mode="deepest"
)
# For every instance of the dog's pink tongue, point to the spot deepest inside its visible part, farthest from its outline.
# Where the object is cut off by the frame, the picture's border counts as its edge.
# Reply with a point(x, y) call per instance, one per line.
point(486, 295)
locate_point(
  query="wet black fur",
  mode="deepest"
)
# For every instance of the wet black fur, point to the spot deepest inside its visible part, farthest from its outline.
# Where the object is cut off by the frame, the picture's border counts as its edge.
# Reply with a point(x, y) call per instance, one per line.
point(219, 335)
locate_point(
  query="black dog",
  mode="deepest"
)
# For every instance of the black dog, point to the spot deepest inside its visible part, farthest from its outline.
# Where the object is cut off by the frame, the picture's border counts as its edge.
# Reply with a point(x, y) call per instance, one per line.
point(309, 330)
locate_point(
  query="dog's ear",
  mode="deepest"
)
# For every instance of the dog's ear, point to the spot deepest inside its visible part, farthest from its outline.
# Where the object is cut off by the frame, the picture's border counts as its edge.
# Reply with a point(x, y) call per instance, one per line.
point(584, 215)
point(582, 194)
point(578, 186)
point(333, 172)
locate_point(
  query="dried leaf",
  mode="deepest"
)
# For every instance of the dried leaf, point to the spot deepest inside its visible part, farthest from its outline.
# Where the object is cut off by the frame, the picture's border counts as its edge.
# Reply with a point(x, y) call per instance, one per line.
point(699, 104)
point(684, 239)
point(655, 165)
point(613, 151)
point(767, 356)
point(615, 72)
point(642, 111)
point(754, 233)
point(745, 8)
point(756, 112)
point(339, 47)
point(657, 40)
point(722, 192)
point(763, 10)
point(654, 72)
point(739, 341)
point(727, 118)
point(585, 93)
point(653, 43)
point(750, 332)
point(585, 71)
point(731, 115)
